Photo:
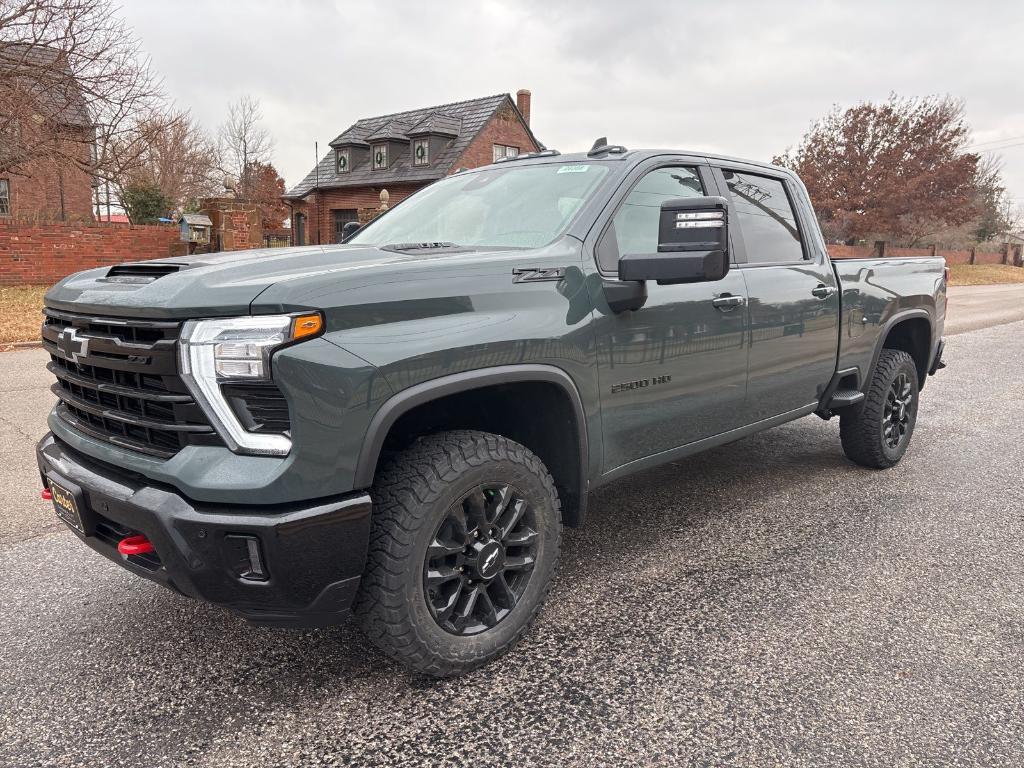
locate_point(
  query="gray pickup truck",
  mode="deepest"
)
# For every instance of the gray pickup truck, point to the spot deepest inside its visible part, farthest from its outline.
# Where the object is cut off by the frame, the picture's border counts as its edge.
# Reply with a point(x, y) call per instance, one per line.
point(400, 426)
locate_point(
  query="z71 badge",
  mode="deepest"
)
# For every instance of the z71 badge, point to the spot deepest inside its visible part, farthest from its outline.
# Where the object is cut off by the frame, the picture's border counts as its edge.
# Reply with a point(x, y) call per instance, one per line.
point(640, 384)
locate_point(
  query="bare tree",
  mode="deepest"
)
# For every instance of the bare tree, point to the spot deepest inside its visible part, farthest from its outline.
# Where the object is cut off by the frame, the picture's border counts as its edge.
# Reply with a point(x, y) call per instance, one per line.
point(243, 143)
point(73, 87)
point(177, 157)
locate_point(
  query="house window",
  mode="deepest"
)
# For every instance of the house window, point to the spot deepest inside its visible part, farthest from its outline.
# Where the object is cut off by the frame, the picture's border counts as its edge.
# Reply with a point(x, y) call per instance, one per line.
point(421, 152)
point(503, 150)
point(5, 198)
point(341, 160)
point(380, 157)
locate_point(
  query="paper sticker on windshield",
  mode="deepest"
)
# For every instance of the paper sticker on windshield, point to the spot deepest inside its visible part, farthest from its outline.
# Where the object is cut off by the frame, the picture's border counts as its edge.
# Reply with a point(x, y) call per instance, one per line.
point(573, 169)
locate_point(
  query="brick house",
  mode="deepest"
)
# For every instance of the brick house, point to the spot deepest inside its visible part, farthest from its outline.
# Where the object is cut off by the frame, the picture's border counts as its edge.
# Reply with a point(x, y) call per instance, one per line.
point(43, 187)
point(402, 153)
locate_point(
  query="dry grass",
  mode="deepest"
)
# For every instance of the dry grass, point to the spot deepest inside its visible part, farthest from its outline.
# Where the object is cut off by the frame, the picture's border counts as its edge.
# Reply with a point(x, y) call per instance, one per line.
point(20, 308)
point(984, 274)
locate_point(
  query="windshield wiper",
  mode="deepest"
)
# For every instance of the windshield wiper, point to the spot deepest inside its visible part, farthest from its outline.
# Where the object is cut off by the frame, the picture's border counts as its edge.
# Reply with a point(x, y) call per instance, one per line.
point(418, 246)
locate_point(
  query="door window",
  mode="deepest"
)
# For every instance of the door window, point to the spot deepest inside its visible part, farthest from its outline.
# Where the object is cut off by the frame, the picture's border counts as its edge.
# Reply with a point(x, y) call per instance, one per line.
point(634, 227)
point(765, 217)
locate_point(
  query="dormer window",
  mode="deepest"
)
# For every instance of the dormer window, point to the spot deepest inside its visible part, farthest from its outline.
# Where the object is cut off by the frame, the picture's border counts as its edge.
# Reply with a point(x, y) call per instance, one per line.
point(342, 160)
point(421, 152)
point(380, 157)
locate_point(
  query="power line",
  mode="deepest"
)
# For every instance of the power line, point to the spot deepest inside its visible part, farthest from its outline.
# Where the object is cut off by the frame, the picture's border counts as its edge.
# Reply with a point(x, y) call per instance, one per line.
point(993, 141)
point(1000, 149)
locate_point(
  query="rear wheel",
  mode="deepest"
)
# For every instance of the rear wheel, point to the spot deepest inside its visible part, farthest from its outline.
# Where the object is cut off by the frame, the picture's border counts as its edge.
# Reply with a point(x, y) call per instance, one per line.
point(464, 543)
point(877, 431)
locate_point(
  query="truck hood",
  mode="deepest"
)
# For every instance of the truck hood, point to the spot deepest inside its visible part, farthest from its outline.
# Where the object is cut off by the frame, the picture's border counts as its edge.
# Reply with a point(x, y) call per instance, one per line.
point(222, 284)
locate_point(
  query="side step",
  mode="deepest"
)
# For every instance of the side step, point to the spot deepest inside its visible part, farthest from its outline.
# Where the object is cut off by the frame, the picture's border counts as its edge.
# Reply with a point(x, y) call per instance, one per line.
point(843, 398)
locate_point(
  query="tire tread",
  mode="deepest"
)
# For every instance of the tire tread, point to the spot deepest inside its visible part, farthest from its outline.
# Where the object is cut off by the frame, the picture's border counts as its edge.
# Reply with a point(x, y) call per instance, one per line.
point(407, 485)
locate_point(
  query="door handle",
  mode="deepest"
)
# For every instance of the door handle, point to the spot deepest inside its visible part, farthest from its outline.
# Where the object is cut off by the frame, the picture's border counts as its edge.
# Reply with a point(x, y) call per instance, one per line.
point(823, 291)
point(727, 301)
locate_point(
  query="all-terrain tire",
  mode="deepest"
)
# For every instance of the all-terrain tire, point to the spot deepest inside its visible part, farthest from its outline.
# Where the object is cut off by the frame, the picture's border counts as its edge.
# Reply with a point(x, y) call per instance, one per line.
point(862, 427)
point(415, 492)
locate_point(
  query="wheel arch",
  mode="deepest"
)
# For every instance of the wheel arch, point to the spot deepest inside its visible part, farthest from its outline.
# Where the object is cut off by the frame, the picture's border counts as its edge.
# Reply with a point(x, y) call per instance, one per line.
point(911, 331)
point(532, 392)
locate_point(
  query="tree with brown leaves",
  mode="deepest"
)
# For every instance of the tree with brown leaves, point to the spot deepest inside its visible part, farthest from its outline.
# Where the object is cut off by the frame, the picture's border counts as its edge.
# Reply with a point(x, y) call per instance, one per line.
point(264, 186)
point(895, 169)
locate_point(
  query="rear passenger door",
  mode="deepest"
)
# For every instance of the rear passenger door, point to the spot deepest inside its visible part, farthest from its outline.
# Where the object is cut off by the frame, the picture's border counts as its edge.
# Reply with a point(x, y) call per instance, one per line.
point(792, 295)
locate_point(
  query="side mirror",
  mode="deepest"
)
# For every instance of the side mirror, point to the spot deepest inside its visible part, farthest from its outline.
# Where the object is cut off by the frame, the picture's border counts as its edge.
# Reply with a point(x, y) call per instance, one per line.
point(349, 228)
point(693, 244)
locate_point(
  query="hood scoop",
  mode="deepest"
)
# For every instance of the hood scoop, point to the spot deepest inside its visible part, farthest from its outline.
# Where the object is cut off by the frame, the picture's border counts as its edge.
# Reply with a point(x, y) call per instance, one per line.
point(140, 274)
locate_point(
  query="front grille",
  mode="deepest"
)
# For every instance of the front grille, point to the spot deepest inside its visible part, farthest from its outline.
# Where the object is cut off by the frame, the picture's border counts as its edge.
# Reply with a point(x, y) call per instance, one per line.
point(117, 381)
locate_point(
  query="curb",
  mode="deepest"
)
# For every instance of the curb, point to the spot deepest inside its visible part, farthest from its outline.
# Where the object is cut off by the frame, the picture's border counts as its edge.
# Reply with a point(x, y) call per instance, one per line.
point(17, 346)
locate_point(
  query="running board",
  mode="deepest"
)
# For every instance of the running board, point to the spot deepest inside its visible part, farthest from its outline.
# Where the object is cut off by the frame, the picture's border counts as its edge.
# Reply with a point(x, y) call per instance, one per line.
point(844, 398)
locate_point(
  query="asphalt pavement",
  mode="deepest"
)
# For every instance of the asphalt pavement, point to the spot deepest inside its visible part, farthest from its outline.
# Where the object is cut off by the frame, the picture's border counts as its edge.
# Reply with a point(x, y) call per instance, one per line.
point(766, 603)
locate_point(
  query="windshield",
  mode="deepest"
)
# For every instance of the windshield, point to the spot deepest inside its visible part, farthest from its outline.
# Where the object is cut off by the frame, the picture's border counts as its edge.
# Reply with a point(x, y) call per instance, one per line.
point(514, 207)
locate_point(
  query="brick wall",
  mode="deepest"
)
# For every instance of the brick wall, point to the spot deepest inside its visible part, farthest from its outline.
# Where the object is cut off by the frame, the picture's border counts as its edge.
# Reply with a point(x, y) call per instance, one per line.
point(41, 254)
point(52, 190)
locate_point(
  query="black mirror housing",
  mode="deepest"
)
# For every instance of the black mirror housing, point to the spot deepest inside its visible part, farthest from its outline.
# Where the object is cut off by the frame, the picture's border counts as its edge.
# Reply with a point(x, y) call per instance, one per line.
point(693, 244)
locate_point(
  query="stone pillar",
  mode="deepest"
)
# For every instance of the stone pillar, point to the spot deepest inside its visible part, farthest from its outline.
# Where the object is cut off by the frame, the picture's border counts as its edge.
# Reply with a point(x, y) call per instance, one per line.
point(236, 224)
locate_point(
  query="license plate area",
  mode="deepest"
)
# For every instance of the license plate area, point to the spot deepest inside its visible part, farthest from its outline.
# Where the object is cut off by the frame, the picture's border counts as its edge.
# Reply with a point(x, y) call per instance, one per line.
point(67, 503)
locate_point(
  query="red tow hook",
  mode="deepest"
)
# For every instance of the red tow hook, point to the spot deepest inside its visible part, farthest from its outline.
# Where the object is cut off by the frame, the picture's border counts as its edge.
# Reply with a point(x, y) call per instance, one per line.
point(134, 545)
point(46, 494)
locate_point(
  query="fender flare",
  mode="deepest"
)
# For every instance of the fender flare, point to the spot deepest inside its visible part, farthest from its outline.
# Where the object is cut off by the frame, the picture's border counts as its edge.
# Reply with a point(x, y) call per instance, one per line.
point(883, 334)
point(401, 403)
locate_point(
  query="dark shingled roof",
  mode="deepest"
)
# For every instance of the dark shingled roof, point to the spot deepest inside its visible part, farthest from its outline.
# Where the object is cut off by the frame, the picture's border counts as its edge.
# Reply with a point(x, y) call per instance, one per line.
point(48, 78)
point(462, 120)
point(439, 123)
point(393, 131)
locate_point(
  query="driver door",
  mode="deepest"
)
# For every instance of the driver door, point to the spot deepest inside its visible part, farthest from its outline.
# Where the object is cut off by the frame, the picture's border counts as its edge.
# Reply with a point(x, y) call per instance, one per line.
point(674, 371)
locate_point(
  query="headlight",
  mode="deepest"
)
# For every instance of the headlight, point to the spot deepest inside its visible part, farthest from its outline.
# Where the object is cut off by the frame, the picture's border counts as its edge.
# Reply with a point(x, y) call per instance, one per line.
point(233, 349)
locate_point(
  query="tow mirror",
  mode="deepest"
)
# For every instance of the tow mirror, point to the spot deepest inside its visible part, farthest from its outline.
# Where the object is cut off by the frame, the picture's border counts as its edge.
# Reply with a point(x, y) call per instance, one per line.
point(693, 244)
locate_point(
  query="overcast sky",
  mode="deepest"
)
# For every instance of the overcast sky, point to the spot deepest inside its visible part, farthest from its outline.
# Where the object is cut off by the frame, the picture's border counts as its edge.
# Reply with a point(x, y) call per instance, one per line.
point(742, 78)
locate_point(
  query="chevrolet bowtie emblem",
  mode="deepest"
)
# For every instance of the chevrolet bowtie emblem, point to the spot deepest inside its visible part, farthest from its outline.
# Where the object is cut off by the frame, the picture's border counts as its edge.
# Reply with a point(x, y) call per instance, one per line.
point(72, 346)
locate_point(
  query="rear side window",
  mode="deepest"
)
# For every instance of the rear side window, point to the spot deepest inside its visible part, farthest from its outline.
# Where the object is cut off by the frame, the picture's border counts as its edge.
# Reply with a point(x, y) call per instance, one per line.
point(766, 218)
point(635, 225)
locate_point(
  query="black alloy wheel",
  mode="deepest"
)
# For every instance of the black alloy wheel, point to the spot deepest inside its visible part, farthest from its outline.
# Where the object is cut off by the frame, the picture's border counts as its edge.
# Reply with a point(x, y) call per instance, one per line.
point(480, 559)
point(897, 411)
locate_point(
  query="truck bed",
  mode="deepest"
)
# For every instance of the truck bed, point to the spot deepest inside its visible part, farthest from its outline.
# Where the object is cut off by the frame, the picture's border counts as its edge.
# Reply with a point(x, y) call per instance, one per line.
point(876, 293)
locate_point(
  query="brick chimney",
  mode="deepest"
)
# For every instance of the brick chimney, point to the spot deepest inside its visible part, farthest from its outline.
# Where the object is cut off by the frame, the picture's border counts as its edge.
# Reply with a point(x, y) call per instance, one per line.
point(523, 102)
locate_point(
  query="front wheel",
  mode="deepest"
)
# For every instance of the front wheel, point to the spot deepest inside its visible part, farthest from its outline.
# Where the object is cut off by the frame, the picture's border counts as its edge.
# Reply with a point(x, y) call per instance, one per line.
point(463, 546)
point(877, 431)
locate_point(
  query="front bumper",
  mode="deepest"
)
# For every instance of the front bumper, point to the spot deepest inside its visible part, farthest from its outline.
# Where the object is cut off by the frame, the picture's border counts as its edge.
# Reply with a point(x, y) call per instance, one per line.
point(311, 556)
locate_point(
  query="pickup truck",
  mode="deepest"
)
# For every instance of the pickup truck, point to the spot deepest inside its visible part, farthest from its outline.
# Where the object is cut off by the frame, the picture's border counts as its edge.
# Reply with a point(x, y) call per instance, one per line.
point(399, 426)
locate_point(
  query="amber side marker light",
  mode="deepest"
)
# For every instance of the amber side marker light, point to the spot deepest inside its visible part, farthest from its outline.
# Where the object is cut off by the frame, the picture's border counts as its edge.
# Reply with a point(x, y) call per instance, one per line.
point(306, 325)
